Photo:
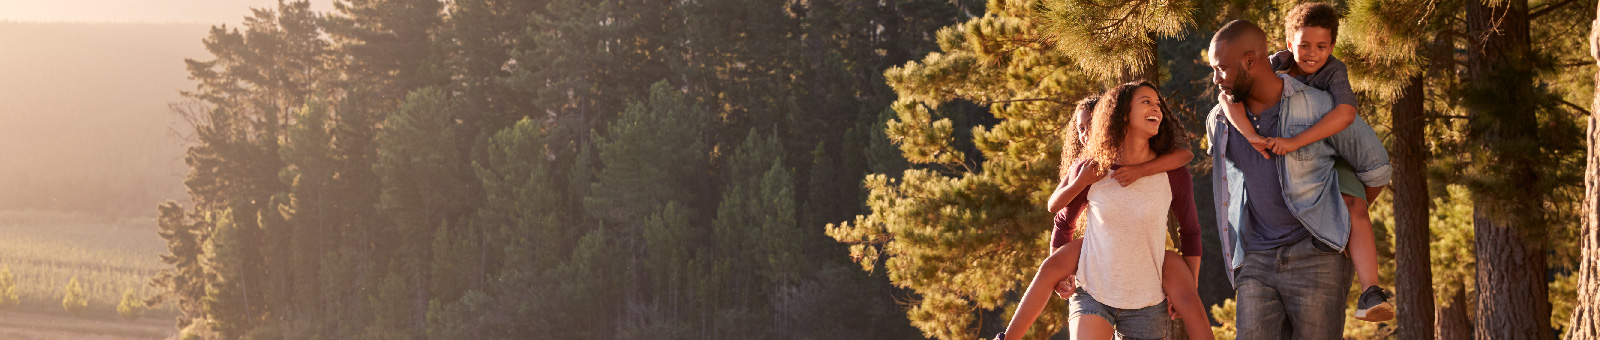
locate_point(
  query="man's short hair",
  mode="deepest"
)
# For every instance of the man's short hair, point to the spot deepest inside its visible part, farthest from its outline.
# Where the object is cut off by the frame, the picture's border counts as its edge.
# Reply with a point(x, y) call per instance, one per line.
point(1313, 14)
point(1242, 34)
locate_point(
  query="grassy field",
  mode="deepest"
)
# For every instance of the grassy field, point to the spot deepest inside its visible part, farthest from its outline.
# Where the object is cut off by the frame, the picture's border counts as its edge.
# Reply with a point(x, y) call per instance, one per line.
point(46, 250)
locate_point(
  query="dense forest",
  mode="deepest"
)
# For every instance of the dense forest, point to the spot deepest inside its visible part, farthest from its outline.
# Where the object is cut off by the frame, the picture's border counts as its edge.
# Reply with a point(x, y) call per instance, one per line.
point(731, 169)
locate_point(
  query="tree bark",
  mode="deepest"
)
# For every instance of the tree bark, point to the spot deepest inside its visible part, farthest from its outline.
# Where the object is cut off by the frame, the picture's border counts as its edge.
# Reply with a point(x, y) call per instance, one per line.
point(1413, 267)
point(1453, 322)
point(1585, 322)
point(1513, 300)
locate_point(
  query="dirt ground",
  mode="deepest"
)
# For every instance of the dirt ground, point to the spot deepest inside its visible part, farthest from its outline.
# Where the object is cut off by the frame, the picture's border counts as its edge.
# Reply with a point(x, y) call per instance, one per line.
point(25, 325)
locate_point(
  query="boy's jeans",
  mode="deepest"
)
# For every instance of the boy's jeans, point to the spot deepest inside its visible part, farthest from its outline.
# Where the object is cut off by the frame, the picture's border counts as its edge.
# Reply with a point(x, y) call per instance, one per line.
point(1295, 291)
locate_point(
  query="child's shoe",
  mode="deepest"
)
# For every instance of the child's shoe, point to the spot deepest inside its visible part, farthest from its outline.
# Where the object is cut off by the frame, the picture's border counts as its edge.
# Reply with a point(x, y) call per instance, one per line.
point(1374, 306)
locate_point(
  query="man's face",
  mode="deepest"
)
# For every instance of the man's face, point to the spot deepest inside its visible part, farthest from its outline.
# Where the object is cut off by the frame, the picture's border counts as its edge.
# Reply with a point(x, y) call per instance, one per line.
point(1229, 72)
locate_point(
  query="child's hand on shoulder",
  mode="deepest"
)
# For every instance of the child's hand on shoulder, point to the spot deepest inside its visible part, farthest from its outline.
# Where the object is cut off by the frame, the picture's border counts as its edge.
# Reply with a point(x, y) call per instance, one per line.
point(1128, 174)
point(1089, 173)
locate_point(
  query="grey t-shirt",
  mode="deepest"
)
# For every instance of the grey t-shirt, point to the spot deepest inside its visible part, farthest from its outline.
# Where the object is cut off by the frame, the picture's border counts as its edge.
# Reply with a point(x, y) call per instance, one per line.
point(1270, 222)
point(1334, 77)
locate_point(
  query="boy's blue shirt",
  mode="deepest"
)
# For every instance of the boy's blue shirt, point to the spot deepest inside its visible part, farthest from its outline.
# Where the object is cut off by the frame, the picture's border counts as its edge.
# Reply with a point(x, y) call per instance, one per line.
point(1334, 77)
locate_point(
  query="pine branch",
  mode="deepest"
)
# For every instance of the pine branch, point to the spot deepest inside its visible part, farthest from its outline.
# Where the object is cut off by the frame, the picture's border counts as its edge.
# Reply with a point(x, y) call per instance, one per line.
point(1022, 100)
point(1546, 9)
point(1576, 107)
point(1133, 7)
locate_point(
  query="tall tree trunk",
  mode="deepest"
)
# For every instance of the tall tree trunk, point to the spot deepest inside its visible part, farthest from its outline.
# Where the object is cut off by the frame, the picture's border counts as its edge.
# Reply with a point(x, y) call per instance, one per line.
point(1585, 323)
point(1512, 291)
point(1413, 268)
point(1453, 321)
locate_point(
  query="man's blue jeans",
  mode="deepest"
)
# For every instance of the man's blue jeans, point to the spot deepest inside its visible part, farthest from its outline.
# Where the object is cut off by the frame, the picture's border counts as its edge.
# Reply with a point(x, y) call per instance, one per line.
point(1295, 291)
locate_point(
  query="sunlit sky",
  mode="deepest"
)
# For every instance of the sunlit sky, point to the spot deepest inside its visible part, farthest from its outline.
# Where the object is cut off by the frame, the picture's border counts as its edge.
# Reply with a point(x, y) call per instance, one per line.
point(152, 11)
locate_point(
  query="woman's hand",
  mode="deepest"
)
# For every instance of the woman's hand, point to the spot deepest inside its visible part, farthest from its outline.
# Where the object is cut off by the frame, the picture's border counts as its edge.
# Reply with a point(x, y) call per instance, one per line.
point(1172, 312)
point(1065, 289)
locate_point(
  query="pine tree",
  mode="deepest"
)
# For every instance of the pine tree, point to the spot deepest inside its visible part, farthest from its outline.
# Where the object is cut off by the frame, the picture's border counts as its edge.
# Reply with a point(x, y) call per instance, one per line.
point(305, 209)
point(951, 216)
point(1585, 321)
point(183, 281)
point(422, 180)
point(355, 225)
point(390, 45)
point(1388, 40)
point(74, 301)
point(8, 288)
point(130, 307)
point(239, 110)
point(228, 295)
point(653, 153)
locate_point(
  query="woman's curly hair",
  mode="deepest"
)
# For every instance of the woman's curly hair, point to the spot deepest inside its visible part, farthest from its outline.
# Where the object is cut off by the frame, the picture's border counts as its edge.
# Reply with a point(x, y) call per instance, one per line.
point(1110, 127)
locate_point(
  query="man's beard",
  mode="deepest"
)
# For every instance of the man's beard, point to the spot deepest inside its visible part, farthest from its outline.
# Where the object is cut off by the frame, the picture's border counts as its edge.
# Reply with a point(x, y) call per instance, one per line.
point(1241, 87)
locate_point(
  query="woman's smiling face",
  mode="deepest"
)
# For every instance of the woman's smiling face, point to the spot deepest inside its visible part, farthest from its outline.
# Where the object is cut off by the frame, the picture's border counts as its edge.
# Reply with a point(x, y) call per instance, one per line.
point(1144, 118)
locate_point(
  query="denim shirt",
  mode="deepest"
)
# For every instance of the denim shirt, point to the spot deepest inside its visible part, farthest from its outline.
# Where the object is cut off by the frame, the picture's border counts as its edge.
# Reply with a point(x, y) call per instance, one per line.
point(1307, 174)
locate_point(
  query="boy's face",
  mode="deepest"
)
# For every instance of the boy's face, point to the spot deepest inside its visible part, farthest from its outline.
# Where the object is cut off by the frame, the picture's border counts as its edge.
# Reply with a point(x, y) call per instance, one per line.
point(1311, 47)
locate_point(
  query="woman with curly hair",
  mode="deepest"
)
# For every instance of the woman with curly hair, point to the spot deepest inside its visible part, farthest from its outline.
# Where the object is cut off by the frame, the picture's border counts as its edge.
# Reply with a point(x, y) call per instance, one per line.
point(1123, 274)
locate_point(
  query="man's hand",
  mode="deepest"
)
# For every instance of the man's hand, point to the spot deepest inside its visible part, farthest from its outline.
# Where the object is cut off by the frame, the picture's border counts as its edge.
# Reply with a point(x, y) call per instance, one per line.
point(1065, 289)
point(1284, 146)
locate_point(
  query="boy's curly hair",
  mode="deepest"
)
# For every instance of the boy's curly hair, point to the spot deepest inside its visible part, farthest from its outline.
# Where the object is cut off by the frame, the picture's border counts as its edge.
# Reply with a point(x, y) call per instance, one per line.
point(1313, 14)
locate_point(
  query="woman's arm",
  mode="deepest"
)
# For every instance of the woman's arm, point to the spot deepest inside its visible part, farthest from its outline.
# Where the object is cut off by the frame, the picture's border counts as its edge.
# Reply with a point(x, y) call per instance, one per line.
point(1194, 266)
point(1163, 163)
point(1183, 209)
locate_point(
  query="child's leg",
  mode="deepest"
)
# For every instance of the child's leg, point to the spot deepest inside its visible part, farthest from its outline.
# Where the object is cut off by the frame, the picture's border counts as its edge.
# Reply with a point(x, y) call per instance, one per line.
point(1184, 296)
point(1054, 269)
point(1363, 249)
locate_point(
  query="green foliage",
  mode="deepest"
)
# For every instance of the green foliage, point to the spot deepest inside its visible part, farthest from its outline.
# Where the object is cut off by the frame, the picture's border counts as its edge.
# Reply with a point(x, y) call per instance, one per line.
point(1111, 39)
point(1225, 313)
point(497, 169)
point(391, 309)
point(1451, 227)
point(227, 298)
point(130, 308)
point(653, 153)
point(962, 236)
point(455, 262)
point(74, 301)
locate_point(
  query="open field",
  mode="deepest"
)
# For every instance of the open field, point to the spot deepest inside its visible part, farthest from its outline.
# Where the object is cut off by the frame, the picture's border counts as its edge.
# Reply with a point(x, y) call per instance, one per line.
point(46, 250)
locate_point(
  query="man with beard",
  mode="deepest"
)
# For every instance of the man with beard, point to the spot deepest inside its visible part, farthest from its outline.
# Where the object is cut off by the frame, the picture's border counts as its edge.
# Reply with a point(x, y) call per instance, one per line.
point(1282, 224)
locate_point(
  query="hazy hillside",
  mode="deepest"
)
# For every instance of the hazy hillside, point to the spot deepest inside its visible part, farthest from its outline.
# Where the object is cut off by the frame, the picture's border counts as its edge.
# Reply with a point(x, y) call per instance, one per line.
point(84, 122)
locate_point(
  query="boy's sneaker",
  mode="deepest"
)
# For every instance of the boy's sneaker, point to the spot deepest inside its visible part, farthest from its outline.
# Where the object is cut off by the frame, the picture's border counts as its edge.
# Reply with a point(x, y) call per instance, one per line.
point(1374, 306)
point(1002, 336)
